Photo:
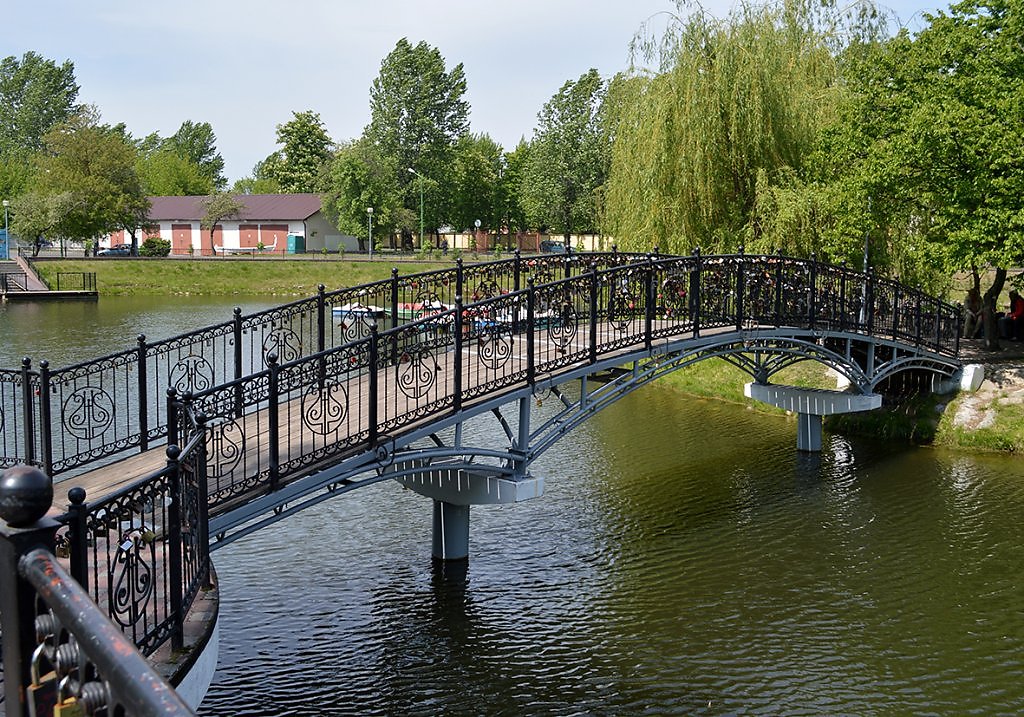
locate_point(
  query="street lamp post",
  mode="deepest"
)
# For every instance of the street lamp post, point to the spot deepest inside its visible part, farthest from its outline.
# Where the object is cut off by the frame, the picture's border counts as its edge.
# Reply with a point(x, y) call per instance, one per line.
point(369, 228)
point(420, 177)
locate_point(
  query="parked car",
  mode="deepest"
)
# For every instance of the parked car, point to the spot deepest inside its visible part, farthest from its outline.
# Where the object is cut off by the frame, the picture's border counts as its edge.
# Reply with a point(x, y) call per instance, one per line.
point(550, 246)
point(121, 250)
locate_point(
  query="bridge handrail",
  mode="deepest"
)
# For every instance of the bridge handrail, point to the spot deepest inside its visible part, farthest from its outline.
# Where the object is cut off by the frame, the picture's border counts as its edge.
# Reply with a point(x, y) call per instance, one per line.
point(74, 416)
point(57, 643)
point(618, 306)
point(91, 422)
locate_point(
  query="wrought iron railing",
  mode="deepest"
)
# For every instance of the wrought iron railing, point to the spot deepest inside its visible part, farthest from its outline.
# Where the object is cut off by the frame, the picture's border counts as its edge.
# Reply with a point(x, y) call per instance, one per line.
point(66, 419)
point(61, 653)
point(278, 423)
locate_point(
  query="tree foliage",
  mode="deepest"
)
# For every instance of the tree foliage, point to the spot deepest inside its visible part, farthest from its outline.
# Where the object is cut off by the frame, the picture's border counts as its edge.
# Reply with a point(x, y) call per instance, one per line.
point(306, 150)
point(196, 142)
point(218, 207)
point(95, 166)
point(568, 158)
point(417, 115)
point(733, 100)
point(362, 177)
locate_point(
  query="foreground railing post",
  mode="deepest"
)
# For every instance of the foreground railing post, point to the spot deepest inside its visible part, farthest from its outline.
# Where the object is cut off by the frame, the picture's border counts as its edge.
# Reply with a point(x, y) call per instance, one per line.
point(321, 322)
point(518, 270)
point(917, 315)
point(273, 418)
point(78, 539)
point(740, 289)
point(593, 313)
point(25, 495)
point(372, 368)
point(172, 539)
point(45, 430)
point(649, 304)
point(812, 291)
point(237, 331)
point(28, 410)
point(172, 415)
point(458, 343)
point(531, 341)
point(695, 293)
point(143, 387)
point(778, 287)
point(203, 500)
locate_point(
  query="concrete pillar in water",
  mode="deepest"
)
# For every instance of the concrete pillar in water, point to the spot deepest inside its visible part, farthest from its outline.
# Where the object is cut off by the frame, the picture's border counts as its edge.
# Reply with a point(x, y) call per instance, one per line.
point(808, 432)
point(453, 490)
point(810, 404)
point(451, 531)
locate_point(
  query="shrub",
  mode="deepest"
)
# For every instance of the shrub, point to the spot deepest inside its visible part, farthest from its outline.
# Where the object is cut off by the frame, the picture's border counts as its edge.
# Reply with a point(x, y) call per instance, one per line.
point(155, 246)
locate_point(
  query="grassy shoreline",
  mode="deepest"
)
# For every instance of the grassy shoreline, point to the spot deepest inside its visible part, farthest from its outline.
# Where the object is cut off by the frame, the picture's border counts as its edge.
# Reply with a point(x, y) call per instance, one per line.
point(227, 277)
point(925, 419)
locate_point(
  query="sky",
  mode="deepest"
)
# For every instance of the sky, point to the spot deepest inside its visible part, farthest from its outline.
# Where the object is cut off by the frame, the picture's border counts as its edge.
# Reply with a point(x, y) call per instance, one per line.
point(245, 66)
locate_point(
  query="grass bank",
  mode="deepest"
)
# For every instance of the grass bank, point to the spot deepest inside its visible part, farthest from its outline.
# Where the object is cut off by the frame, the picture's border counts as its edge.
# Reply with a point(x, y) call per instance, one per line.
point(225, 277)
point(991, 419)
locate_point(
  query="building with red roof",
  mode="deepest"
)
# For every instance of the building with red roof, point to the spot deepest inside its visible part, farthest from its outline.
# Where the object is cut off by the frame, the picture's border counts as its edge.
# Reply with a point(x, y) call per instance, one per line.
point(280, 223)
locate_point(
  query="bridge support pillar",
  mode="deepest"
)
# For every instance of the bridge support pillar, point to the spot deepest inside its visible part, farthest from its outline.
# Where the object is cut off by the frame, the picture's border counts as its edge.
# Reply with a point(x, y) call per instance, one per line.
point(810, 404)
point(453, 490)
point(451, 531)
point(808, 432)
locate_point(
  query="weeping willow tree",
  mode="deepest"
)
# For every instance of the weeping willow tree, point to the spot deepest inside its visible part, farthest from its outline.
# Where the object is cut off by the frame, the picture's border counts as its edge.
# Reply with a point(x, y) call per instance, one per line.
point(731, 113)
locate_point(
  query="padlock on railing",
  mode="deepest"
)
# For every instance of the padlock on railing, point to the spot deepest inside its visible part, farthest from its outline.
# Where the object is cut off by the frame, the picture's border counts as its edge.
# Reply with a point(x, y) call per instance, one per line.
point(42, 693)
point(67, 705)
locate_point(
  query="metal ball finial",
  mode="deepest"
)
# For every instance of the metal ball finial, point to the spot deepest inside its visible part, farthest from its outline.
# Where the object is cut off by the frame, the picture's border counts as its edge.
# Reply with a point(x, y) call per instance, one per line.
point(26, 493)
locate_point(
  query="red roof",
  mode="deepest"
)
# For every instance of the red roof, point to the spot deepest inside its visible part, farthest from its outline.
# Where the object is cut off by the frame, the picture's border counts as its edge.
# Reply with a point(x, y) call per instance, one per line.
point(258, 207)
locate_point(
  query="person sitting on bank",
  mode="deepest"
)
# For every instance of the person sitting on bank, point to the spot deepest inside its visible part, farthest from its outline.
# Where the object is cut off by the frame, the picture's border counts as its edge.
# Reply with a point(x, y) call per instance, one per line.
point(1010, 324)
point(973, 314)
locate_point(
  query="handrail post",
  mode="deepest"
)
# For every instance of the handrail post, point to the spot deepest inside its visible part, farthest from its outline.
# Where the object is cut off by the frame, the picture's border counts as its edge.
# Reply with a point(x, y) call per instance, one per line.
point(78, 539)
point(917, 315)
point(459, 277)
point(237, 331)
point(869, 303)
point(896, 298)
point(321, 322)
point(172, 415)
point(812, 291)
point(458, 340)
point(143, 393)
point(203, 500)
point(518, 270)
point(649, 302)
point(593, 314)
point(531, 347)
point(842, 297)
point(740, 286)
point(28, 410)
point(23, 527)
point(778, 287)
point(172, 537)
point(273, 418)
point(45, 431)
point(394, 313)
point(695, 292)
point(371, 410)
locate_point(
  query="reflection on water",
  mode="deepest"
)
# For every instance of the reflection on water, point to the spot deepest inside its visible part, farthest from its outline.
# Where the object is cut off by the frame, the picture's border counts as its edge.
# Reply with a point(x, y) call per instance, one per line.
point(685, 559)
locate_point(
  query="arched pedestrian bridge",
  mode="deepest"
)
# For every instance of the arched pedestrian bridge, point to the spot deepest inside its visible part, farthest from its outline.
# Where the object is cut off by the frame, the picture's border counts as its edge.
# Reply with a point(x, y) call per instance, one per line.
point(228, 428)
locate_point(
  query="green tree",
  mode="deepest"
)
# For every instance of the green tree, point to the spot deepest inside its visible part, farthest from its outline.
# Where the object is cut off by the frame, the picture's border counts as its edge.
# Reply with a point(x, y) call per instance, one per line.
point(35, 95)
point(732, 100)
point(362, 177)
point(417, 114)
point(36, 215)
point(474, 178)
point(568, 158)
point(96, 166)
point(933, 133)
point(303, 160)
point(510, 184)
point(196, 142)
point(165, 173)
point(218, 207)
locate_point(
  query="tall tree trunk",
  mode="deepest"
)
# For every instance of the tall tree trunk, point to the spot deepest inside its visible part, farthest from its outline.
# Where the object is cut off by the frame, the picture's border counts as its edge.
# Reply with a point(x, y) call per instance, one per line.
point(988, 303)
